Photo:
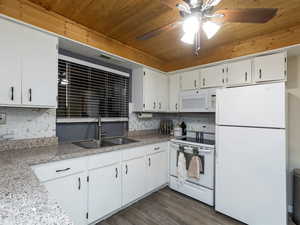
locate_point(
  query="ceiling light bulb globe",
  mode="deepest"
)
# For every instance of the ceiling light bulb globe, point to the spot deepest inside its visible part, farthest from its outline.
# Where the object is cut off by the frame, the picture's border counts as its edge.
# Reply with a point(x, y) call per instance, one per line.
point(191, 25)
point(188, 38)
point(210, 29)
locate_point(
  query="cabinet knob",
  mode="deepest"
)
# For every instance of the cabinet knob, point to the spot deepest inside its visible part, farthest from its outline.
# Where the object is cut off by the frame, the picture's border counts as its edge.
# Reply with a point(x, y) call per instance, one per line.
point(156, 148)
point(246, 76)
point(149, 162)
point(126, 169)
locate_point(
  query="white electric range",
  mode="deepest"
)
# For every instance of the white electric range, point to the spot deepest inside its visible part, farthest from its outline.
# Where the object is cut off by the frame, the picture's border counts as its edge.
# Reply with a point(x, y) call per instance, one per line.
point(201, 189)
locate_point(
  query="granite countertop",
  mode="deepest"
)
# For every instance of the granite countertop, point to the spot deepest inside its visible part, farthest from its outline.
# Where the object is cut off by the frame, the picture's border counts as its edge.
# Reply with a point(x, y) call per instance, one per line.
point(24, 197)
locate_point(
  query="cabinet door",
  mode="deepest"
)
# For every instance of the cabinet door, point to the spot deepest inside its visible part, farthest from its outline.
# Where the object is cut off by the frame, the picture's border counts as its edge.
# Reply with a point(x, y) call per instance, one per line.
point(149, 95)
point(213, 76)
point(189, 80)
point(270, 67)
point(39, 68)
point(10, 57)
point(174, 93)
point(239, 73)
point(162, 92)
point(134, 179)
point(157, 171)
point(105, 191)
point(71, 194)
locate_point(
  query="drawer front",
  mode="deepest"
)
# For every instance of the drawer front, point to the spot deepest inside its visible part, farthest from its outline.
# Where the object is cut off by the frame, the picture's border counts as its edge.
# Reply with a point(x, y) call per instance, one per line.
point(134, 153)
point(104, 159)
point(63, 168)
point(159, 147)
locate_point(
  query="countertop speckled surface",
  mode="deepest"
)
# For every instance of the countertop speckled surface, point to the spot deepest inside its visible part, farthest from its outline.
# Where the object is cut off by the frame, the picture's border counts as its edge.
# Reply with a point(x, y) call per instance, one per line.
point(24, 197)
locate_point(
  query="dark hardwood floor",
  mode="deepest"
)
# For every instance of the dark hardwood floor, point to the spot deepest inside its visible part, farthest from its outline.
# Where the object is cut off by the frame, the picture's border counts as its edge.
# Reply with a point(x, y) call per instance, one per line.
point(167, 207)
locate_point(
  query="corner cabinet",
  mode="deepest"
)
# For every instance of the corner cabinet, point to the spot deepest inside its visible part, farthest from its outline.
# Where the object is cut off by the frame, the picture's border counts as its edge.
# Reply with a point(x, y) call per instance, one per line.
point(149, 90)
point(30, 66)
point(270, 67)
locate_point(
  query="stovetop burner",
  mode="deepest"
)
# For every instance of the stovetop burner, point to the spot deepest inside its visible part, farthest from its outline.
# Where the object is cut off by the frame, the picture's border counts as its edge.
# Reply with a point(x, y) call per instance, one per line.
point(197, 141)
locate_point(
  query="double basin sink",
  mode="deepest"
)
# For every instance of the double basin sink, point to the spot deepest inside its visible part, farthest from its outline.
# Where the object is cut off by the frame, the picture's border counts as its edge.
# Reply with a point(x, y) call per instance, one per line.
point(107, 142)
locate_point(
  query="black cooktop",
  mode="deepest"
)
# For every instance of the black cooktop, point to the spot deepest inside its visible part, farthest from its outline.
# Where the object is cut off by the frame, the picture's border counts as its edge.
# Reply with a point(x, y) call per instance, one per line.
point(198, 141)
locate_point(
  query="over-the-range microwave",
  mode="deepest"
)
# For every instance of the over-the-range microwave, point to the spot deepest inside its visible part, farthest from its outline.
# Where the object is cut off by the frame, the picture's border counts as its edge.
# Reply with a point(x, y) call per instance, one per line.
point(203, 100)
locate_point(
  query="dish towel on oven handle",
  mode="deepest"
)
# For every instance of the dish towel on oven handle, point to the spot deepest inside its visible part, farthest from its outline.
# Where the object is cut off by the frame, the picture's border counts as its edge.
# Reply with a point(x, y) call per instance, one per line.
point(195, 167)
point(181, 168)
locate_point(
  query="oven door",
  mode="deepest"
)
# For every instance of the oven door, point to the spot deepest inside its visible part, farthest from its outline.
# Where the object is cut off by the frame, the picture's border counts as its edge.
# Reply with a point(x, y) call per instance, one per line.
point(194, 101)
point(206, 155)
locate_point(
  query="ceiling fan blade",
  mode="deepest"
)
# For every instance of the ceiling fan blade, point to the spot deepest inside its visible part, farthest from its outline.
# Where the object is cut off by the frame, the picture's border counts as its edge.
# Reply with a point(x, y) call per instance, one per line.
point(255, 15)
point(157, 31)
point(172, 3)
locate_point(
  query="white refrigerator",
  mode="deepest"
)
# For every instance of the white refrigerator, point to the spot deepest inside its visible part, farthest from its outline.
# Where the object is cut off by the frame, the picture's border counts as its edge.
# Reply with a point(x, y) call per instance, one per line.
point(251, 156)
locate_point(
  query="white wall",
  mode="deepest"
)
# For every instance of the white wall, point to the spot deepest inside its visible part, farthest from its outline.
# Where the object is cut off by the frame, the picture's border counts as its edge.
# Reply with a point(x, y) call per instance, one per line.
point(25, 123)
point(293, 86)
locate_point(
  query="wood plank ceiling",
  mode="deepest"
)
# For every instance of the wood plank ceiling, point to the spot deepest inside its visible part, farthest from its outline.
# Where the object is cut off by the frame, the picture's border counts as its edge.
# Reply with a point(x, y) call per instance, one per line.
point(124, 20)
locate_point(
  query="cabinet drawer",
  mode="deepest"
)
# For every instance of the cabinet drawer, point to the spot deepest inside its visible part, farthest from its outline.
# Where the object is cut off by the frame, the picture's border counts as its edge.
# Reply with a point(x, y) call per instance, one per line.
point(55, 170)
point(104, 159)
point(159, 147)
point(134, 153)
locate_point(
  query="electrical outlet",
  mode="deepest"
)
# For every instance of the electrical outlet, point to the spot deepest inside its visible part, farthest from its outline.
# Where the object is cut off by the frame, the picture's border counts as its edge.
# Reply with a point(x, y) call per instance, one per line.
point(2, 118)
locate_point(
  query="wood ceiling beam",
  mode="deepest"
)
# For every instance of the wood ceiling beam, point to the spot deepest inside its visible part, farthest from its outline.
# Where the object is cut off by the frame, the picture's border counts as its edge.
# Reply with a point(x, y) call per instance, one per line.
point(31, 13)
point(279, 39)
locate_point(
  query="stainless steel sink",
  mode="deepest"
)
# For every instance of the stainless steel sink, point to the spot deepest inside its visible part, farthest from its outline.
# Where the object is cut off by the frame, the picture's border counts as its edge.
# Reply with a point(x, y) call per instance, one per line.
point(119, 140)
point(106, 142)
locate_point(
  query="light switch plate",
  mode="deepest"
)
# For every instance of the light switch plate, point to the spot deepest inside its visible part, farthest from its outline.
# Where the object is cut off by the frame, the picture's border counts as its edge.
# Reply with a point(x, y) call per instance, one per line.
point(2, 118)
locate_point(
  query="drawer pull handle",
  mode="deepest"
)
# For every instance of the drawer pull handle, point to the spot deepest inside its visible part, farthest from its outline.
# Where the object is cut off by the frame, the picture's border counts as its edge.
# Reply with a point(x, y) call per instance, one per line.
point(12, 94)
point(63, 170)
point(79, 183)
point(149, 162)
point(126, 169)
point(156, 148)
point(117, 172)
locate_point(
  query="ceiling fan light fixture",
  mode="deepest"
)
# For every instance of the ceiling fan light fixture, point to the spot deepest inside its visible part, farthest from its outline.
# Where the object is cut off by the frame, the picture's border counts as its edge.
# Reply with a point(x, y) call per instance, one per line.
point(210, 28)
point(191, 25)
point(188, 38)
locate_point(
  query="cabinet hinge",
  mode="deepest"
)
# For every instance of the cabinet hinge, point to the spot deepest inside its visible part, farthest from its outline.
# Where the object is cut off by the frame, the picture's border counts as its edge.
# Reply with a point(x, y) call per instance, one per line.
point(87, 215)
point(88, 179)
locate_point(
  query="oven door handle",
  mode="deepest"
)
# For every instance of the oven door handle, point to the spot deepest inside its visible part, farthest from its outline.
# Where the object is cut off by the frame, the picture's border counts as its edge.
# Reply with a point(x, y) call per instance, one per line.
point(206, 151)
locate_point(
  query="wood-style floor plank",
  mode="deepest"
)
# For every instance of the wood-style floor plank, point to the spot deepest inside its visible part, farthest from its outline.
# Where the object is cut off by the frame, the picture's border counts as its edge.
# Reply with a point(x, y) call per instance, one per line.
point(167, 207)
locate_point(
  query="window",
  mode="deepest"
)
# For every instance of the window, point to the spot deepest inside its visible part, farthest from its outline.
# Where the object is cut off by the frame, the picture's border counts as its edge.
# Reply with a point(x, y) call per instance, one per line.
point(85, 91)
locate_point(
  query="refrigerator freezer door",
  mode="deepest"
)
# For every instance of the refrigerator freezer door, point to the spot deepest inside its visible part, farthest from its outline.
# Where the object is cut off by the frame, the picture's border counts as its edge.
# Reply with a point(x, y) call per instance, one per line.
point(257, 106)
point(251, 175)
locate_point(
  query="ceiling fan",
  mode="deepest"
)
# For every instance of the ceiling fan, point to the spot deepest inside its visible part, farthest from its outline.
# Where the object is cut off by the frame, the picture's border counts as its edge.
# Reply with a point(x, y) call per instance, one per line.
point(200, 15)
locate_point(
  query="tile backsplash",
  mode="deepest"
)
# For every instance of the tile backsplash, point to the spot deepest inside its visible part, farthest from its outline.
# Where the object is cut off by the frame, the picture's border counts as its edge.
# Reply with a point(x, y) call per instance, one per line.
point(25, 123)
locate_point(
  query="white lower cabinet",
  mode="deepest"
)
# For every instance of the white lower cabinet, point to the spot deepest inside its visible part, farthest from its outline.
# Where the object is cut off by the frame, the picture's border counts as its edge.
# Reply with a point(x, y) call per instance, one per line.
point(91, 188)
point(105, 191)
point(70, 192)
point(157, 170)
point(134, 179)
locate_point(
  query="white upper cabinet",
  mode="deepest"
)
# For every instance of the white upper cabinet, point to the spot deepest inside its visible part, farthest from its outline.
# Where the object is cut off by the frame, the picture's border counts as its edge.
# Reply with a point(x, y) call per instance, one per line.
point(39, 68)
point(149, 90)
point(213, 76)
point(189, 80)
point(270, 67)
point(29, 66)
point(161, 90)
point(239, 73)
point(174, 89)
point(10, 68)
